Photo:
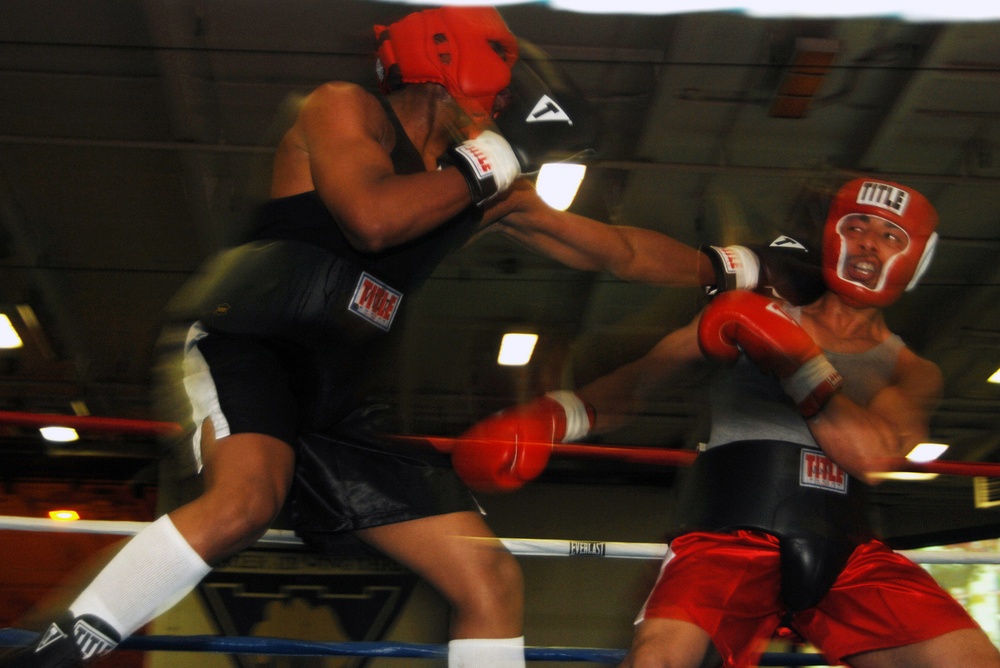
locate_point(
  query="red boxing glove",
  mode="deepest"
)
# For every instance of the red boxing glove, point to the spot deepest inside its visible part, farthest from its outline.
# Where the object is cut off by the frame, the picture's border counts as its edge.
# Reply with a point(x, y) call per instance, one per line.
point(745, 321)
point(506, 450)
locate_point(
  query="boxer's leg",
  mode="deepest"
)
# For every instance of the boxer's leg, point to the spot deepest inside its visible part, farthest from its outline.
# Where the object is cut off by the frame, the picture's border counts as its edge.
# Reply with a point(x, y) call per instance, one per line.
point(479, 578)
point(246, 477)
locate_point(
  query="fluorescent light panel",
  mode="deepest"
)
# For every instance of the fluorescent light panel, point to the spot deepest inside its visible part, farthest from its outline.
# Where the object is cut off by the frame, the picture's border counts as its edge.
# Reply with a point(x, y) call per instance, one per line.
point(59, 434)
point(516, 349)
point(926, 452)
point(921, 452)
point(8, 335)
point(558, 183)
point(907, 476)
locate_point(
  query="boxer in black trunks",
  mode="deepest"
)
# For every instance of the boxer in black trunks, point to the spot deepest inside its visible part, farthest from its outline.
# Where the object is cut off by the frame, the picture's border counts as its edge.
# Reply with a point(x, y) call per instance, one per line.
point(368, 194)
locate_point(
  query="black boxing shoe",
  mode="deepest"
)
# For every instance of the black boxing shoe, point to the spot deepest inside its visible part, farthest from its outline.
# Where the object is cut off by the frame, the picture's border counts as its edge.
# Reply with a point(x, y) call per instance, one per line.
point(67, 643)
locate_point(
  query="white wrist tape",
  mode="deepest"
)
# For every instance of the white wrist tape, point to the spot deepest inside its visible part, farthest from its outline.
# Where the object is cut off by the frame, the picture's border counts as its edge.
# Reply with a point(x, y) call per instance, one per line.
point(492, 154)
point(577, 418)
point(506, 168)
point(740, 265)
point(809, 376)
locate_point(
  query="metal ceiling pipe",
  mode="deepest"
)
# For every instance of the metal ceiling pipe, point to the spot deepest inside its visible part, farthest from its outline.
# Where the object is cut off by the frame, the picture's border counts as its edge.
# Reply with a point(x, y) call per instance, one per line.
point(91, 423)
point(626, 165)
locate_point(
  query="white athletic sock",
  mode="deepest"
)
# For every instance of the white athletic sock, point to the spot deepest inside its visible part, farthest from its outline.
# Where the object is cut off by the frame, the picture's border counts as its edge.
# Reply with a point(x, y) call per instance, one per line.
point(486, 653)
point(151, 573)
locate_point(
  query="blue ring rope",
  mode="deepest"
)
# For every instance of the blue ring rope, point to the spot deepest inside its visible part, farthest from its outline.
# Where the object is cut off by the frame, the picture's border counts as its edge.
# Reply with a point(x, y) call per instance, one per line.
point(285, 647)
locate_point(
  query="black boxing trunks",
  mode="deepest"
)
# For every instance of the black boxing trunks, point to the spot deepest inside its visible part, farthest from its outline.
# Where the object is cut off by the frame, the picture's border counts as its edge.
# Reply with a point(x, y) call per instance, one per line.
point(283, 333)
point(349, 478)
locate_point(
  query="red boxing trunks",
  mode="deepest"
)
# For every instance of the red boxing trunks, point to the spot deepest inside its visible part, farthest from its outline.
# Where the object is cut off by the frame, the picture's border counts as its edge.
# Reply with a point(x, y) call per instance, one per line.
point(729, 585)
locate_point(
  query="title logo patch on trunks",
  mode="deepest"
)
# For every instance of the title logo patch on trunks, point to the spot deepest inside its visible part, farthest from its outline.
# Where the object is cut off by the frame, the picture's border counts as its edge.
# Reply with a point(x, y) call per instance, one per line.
point(375, 301)
point(818, 470)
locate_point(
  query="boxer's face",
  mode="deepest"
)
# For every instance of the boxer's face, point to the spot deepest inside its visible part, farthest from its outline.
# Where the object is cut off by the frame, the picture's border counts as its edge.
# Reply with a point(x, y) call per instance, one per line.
point(870, 242)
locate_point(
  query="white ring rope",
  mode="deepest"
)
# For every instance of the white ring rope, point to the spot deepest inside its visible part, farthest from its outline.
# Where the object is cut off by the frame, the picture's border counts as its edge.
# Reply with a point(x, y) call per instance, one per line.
point(531, 547)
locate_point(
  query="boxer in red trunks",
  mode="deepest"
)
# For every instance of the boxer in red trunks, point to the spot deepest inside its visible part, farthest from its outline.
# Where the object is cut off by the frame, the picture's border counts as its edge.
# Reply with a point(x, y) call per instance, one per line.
point(817, 401)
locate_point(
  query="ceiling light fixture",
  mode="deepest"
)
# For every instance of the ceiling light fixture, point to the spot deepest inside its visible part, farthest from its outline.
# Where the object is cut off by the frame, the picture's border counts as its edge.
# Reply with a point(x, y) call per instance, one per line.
point(921, 452)
point(8, 335)
point(905, 476)
point(926, 452)
point(558, 183)
point(516, 348)
point(59, 434)
point(64, 515)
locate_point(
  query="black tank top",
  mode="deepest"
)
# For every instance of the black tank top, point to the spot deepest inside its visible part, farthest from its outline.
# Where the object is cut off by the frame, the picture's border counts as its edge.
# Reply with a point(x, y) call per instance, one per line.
point(304, 218)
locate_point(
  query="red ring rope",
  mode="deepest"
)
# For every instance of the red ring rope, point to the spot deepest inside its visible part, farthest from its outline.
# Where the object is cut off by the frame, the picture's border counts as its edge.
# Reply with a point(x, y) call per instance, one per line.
point(675, 457)
point(637, 455)
point(91, 423)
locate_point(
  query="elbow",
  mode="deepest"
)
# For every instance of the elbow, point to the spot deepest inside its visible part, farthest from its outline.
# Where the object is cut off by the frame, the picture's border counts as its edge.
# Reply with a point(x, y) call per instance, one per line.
point(367, 232)
point(369, 243)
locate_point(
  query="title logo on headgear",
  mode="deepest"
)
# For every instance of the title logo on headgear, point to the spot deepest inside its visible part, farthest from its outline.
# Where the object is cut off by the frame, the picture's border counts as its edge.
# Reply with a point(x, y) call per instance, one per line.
point(878, 240)
point(884, 196)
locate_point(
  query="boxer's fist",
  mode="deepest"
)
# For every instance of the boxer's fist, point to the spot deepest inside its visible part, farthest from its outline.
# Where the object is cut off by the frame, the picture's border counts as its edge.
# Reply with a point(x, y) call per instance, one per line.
point(744, 321)
point(511, 448)
point(785, 269)
point(488, 164)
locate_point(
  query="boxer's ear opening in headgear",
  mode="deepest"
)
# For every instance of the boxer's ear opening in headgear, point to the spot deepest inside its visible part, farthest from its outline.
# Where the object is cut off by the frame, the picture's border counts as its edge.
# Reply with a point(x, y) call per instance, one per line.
point(880, 205)
point(468, 50)
point(925, 261)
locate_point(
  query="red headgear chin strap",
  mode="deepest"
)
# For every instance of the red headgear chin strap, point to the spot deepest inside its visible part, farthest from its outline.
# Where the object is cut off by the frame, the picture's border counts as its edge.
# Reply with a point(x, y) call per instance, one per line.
point(891, 202)
point(468, 50)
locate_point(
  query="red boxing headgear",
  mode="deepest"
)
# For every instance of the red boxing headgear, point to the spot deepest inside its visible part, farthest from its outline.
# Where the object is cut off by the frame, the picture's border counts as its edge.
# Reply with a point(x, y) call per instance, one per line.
point(468, 50)
point(878, 240)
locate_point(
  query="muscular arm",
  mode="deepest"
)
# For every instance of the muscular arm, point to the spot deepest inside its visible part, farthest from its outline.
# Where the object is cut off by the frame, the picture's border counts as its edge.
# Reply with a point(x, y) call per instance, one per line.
point(871, 439)
point(629, 253)
point(618, 396)
point(340, 146)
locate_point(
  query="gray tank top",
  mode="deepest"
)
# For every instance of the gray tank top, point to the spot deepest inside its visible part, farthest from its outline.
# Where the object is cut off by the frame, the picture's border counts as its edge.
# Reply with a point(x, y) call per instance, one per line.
point(748, 404)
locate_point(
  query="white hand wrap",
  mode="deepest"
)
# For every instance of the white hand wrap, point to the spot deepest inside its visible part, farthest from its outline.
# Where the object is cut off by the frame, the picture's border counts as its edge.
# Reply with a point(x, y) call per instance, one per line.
point(736, 268)
point(488, 164)
point(577, 418)
point(808, 377)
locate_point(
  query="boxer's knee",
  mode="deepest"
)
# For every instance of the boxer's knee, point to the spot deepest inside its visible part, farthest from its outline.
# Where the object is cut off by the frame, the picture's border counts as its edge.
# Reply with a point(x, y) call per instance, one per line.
point(247, 479)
